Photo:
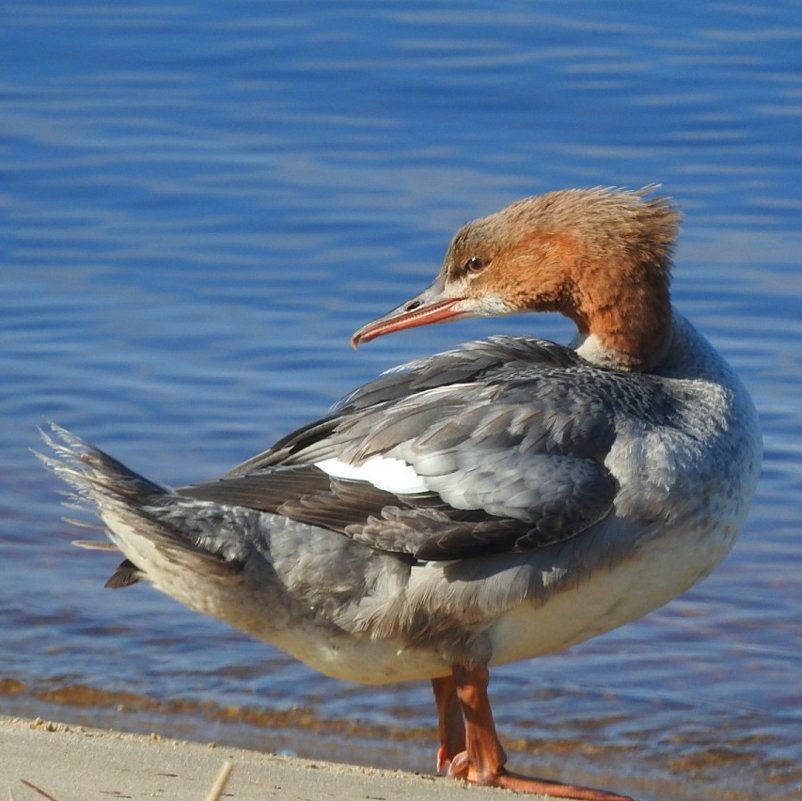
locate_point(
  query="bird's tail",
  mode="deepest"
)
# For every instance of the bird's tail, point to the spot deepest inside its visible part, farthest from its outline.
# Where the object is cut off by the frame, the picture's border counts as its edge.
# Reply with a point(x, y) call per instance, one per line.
point(156, 529)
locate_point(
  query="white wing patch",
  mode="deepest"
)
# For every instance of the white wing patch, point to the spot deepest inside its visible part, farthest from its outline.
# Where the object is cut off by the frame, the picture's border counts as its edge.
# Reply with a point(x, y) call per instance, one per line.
point(383, 472)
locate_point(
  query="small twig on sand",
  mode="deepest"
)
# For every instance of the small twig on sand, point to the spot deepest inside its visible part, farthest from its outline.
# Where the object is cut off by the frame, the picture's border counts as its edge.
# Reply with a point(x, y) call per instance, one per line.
point(214, 794)
point(219, 783)
point(38, 790)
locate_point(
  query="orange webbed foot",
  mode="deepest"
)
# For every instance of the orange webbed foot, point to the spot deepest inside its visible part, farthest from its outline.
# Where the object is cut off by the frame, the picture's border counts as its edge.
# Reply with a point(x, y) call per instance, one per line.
point(460, 768)
point(482, 760)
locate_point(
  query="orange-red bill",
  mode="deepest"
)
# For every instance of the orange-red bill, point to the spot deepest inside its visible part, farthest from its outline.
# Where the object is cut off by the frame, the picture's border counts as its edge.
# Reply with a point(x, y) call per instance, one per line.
point(421, 310)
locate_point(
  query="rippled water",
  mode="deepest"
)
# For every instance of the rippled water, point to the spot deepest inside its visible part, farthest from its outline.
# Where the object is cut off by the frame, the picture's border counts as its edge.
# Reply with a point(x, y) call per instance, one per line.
point(200, 201)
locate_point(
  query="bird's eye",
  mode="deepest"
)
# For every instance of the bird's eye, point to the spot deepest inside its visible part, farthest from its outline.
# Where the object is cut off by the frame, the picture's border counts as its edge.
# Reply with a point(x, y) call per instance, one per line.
point(475, 264)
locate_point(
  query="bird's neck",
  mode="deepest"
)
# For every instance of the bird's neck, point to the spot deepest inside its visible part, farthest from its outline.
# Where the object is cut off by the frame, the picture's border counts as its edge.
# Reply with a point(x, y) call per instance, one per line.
point(624, 326)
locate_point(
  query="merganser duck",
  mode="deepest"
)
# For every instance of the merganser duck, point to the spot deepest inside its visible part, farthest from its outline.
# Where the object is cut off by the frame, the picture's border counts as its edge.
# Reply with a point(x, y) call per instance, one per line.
point(496, 502)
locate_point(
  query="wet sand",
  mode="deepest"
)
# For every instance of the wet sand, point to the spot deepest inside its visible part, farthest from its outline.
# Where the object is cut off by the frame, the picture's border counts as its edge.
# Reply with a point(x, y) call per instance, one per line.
point(44, 759)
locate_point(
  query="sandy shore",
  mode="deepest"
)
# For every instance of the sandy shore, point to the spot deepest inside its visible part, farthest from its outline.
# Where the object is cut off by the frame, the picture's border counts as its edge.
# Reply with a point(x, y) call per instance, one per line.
point(43, 759)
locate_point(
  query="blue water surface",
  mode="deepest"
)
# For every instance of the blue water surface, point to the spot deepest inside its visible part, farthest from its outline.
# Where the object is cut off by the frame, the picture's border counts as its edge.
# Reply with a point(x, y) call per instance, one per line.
point(199, 202)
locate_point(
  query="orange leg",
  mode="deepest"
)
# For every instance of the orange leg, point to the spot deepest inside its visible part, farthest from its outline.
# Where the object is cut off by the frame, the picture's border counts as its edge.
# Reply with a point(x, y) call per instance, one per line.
point(483, 759)
point(450, 725)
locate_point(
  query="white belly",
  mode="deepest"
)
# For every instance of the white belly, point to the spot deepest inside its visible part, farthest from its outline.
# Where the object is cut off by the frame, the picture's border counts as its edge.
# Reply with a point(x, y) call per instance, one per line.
point(659, 571)
point(606, 599)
